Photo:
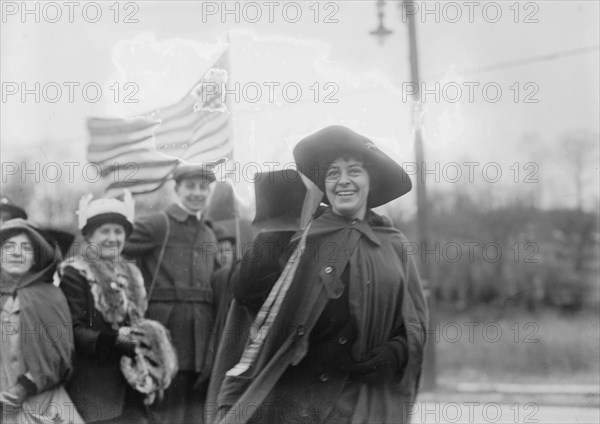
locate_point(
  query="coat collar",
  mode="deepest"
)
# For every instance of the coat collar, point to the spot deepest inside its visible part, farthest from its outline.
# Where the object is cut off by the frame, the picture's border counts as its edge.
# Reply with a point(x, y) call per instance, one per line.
point(179, 214)
point(176, 212)
point(330, 221)
point(366, 230)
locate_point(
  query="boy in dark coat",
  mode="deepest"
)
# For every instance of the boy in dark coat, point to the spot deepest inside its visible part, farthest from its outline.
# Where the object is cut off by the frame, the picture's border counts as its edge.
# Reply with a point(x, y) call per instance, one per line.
point(176, 250)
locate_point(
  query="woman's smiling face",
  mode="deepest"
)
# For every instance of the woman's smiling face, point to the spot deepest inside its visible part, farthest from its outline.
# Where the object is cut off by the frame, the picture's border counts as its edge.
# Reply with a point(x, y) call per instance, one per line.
point(347, 185)
point(109, 240)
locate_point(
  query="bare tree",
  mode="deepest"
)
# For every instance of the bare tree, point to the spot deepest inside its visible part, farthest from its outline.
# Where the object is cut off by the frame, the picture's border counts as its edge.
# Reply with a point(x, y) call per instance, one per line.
point(579, 154)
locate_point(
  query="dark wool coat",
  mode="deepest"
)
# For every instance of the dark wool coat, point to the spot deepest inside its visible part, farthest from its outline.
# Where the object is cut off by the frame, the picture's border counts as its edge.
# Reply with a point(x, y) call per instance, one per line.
point(97, 387)
point(182, 297)
point(299, 379)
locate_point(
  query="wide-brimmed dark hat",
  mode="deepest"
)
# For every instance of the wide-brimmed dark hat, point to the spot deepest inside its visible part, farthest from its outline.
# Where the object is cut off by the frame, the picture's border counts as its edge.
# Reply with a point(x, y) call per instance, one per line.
point(315, 153)
point(285, 200)
point(279, 199)
point(63, 239)
point(15, 211)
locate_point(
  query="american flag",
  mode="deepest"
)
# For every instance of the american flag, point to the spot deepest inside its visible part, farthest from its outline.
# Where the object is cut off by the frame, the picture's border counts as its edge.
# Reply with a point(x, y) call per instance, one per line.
point(140, 153)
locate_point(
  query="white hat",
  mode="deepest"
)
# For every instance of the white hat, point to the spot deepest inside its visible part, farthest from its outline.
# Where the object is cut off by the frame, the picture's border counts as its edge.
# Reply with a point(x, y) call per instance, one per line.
point(94, 213)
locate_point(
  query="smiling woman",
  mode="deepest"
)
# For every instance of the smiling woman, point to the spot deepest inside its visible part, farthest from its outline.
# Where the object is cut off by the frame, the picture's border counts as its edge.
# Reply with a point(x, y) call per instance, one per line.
point(113, 343)
point(347, 185)
point(109, 238)
point(348, 331)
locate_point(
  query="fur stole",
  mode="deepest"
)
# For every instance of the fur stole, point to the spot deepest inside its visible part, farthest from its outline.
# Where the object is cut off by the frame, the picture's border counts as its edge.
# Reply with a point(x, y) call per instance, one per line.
point(117, 287)
point(120, 296)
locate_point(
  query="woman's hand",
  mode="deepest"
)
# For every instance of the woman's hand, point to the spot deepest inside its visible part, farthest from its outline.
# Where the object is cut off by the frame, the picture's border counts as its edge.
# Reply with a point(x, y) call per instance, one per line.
point(381, 365)
point(128, 339)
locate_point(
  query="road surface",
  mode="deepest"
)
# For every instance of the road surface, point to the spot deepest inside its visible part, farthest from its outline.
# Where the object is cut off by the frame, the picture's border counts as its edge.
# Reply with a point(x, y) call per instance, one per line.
point(477, 412)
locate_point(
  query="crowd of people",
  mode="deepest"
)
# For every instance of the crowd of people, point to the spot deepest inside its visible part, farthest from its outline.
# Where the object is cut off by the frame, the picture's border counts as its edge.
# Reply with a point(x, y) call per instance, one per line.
point(149, 323)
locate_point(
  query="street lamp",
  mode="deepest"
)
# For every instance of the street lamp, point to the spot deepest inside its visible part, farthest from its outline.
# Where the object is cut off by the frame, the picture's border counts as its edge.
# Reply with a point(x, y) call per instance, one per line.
point(381, 31)
point(429, 381)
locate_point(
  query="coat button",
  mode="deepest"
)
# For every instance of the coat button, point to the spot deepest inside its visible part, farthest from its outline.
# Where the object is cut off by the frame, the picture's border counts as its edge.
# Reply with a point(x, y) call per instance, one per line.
point(328, 270)
point(368, 282)
point(342, 340)
point(304, 413)
point(300, 331)
point(324, 377)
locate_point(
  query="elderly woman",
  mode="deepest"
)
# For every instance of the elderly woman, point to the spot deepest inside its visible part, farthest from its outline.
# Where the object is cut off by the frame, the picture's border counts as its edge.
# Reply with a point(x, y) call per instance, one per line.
point(338, 336)
point(37, 341)
point(114, 347)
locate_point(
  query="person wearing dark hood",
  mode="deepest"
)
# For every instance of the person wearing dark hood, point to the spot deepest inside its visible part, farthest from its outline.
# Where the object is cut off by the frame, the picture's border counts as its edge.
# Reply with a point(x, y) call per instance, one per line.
point(334, 332)
point(37, 340)
point(8, 210)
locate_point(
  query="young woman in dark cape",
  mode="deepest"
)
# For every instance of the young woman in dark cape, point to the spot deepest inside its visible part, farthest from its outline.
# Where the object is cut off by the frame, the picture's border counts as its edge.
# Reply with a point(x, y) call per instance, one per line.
point(37, 339)
point(346, 341)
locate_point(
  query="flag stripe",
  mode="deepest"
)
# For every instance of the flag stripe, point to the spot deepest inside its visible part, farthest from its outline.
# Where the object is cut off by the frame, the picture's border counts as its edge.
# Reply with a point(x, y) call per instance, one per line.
point(198, 149)
point(137, 166)
point(110, 141)
point(119, 126)
point(177, 139)
point(225, 151)
point(131, 156)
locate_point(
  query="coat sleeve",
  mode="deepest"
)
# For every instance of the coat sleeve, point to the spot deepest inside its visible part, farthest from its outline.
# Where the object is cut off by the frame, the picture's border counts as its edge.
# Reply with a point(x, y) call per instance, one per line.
point(88, 340)
point(257, 272)
point(413, 316)
point(146, 235)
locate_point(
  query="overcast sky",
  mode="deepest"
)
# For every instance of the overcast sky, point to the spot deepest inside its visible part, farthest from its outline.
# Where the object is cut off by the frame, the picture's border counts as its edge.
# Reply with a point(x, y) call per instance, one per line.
point(166, 51)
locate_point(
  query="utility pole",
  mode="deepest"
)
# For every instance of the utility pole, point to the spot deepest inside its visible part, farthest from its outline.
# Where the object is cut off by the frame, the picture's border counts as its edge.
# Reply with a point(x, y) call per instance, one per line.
point(429, 380)
point(429, 375)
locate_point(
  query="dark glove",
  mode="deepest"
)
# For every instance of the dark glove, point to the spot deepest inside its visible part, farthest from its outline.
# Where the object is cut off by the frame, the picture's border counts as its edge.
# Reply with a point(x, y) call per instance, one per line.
point(128, 339)
point(381, 365)
point(267, 255)
point(201, 384)
point(260, 268)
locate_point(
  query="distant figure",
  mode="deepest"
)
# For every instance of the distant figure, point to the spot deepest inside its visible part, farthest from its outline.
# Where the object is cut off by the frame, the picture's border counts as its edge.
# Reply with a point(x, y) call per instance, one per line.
point(9, 210)
point(226, 244)
point(37, 342)
point(177, 253)
point(338, 335)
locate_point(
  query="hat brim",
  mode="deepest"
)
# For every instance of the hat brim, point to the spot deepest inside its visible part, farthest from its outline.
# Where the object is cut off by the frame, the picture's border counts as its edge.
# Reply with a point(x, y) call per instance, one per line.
point(208, 175)
point(202, 170)
point(45, 250)
point(279, 197)
point(104, 218)
point(63, 239)
point(315, 153)
point(14, 211)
